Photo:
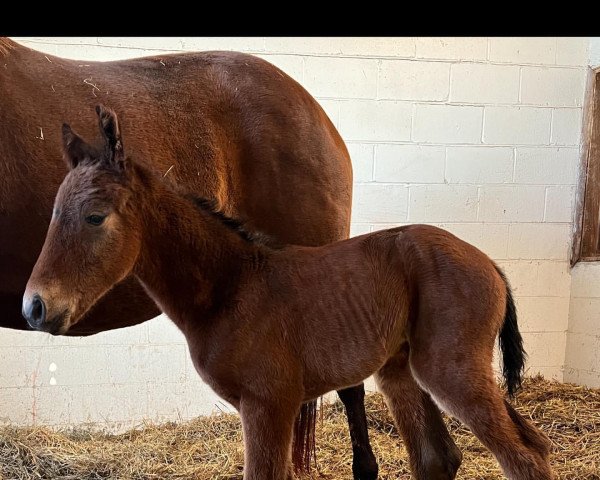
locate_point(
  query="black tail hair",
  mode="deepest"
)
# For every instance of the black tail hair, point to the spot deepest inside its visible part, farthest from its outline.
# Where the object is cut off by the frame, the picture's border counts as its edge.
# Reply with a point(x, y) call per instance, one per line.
point(511, 344)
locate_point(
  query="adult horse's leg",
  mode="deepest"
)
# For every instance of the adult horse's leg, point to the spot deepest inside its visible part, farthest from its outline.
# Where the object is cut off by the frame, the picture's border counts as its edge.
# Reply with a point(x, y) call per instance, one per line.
point(364, 465)
point(432, 452)
point(267, 427)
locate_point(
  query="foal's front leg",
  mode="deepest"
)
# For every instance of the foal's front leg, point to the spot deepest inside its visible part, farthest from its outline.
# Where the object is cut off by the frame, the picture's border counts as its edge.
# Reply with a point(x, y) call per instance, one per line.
point(268, 426)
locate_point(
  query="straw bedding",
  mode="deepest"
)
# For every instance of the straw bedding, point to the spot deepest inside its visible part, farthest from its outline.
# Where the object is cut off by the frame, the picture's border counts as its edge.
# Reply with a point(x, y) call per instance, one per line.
point(211, 447)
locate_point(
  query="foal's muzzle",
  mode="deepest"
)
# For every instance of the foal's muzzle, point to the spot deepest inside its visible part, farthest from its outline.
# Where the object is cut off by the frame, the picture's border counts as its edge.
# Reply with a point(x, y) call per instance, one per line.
point(35, 312)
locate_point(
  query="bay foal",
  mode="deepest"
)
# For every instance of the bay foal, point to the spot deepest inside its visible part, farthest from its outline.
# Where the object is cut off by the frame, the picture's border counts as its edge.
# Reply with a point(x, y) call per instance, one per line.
point(271, 327)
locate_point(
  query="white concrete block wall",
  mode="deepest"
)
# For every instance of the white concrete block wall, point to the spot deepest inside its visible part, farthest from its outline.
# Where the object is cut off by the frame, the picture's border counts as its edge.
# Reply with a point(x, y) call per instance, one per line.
point(477, 135)
point(582, 363)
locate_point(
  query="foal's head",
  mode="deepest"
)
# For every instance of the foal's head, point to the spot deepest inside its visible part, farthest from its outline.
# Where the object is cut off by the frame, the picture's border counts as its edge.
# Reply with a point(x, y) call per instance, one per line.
point(93, 239)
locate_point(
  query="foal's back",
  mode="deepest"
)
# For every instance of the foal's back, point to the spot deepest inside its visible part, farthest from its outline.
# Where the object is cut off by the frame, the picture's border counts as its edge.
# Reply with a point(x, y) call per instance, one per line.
point(341, 310)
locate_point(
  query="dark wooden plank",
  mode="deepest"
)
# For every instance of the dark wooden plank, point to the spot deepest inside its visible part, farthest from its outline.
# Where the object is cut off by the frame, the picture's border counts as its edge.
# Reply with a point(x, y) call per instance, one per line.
point(590, 234)
point(586, 137)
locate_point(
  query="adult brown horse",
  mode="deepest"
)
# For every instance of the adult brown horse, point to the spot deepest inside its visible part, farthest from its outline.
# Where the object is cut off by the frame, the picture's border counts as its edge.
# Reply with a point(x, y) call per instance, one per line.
point(271, 327)
point(223, 125)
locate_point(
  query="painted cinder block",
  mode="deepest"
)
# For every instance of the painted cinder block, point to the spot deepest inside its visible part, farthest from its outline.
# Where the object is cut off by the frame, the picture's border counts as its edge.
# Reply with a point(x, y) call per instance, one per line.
point(109, 404)
point(583, 351)
point(411, 80)
point(511, 203)
point(553, 279)
point(586, 281)
point(545, 349)
point(572, 50)
point(16, 406)
point(161, 330)
point(538, 278)
point(566, 126)
point(447, 124)
point(508, 125)
point(484, 83)
point(559, 204)
point(347, 46)
point(73, 365)
point(543, 314)
point(340, 77)
point(362, 156)
point(374, 203)
point(584, 316)
point(519, 50)
point(452, 48)
point(550, 241)
point(548, 166)
point(371, 120)
point(582, 377)
point(19, 366)
point(479, 164)
point(143, 363)
point(549, 373)
point(442, 203)
point(556, 87)
point(409, 163)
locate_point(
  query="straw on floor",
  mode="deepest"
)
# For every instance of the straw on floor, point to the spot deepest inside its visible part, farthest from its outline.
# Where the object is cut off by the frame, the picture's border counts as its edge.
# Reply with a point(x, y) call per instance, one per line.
point(211, 447)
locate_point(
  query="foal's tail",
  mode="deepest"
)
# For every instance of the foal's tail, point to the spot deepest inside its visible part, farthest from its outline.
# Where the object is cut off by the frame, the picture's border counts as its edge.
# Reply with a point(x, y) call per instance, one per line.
point(511, 344)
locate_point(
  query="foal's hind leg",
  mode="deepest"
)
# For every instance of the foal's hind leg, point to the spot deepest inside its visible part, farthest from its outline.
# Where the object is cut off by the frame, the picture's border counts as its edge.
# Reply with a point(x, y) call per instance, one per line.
point(364, 465)
point(432, 452)
point(268, 427)
point(466, 388)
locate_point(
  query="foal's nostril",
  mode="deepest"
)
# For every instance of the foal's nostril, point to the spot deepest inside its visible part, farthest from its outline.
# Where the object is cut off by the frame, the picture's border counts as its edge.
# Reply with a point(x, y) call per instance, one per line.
point(38, 312)
point(36, 315)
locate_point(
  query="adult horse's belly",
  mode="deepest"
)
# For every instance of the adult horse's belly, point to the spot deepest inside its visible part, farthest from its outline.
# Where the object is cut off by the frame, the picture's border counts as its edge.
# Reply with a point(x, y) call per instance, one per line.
point(222, 124)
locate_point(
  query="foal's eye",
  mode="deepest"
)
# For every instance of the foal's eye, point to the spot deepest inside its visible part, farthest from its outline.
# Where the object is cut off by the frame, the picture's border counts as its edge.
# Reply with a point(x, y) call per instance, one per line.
point(95, 220)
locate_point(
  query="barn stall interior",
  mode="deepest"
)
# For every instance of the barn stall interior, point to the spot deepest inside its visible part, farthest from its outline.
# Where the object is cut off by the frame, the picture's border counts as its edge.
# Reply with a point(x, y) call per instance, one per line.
point(492, 139)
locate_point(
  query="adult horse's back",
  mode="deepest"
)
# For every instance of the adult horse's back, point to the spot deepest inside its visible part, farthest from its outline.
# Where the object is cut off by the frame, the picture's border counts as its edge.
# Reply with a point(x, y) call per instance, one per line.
point(222, 125)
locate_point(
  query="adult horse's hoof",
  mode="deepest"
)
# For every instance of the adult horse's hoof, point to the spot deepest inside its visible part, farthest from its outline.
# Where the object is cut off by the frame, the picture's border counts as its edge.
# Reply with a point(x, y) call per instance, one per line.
point(365, 470)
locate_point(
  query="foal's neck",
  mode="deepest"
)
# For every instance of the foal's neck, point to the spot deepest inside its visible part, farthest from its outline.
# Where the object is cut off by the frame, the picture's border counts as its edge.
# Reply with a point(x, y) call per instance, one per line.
point(190, 262)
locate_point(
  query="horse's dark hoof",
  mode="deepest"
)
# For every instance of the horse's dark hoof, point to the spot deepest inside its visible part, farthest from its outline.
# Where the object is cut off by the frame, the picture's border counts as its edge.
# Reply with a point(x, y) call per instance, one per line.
point(365, 472)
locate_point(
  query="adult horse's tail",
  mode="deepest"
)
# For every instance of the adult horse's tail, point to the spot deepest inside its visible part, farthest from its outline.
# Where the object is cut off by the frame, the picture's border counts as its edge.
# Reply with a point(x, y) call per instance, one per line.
point(511, 344)
point(304, 447)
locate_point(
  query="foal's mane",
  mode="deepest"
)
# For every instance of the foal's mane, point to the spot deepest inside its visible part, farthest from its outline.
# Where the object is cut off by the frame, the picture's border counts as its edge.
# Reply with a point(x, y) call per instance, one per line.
point(234, 224)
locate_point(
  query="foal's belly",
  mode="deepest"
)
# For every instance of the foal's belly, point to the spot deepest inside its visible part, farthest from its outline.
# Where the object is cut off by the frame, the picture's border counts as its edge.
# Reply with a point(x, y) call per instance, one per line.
point(341, 370)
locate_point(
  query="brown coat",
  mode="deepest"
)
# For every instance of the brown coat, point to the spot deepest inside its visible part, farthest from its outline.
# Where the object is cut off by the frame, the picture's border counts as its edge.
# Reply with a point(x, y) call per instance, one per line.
point(270, 328)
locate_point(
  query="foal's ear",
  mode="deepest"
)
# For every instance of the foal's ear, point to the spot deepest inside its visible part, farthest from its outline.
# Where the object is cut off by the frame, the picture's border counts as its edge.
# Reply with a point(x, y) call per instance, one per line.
point(109, 127)
point(75, 149)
